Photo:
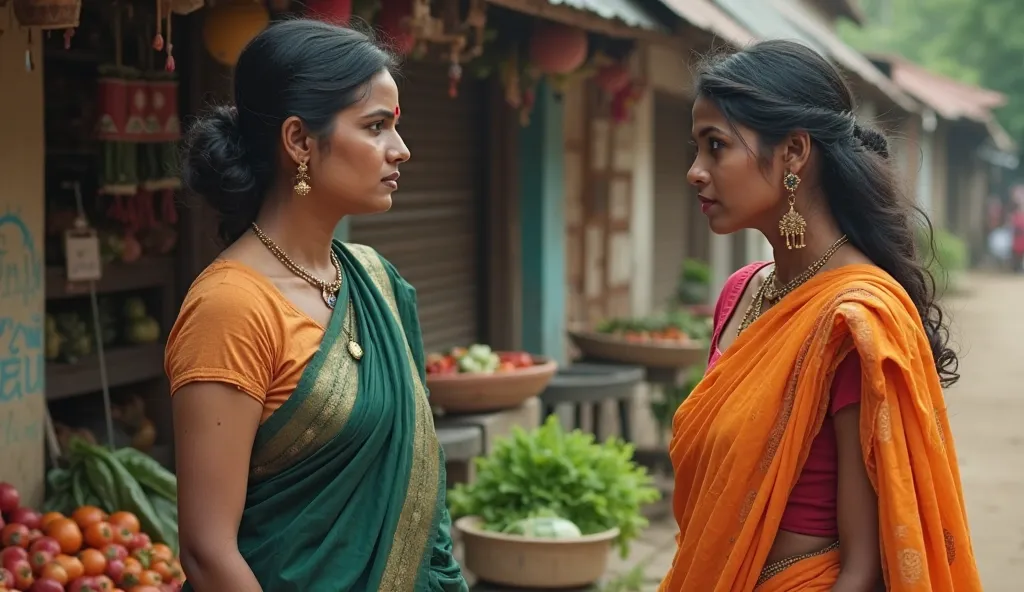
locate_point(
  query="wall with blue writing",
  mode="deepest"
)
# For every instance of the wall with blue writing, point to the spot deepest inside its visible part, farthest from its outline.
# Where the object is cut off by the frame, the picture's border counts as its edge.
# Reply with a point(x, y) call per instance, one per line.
point(22, 294)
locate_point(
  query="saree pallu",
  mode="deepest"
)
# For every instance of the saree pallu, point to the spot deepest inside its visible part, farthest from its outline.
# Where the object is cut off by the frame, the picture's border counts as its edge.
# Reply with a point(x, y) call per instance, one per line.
point(347, 481)
point(741, 438)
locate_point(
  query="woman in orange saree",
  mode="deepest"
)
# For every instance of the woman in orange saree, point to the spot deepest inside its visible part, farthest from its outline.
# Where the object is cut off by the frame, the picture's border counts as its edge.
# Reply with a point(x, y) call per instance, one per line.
point(845, 285)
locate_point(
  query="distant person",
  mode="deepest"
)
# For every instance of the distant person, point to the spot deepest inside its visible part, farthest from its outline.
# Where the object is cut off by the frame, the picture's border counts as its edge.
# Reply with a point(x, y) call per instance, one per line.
point(306, 453)
point(816, 455)
point(1017, 226)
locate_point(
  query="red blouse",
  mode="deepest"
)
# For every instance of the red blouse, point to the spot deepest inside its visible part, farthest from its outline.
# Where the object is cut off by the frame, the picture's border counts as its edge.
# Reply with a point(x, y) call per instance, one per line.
point(811, 508)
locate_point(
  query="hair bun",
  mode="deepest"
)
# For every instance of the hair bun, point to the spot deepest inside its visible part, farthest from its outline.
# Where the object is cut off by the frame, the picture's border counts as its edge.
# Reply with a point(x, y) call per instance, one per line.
point(871, 139)
point(215, 166)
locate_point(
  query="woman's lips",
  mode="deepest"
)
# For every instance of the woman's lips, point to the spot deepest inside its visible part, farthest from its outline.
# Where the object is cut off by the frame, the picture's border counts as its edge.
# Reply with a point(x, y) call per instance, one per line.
point(706, 203)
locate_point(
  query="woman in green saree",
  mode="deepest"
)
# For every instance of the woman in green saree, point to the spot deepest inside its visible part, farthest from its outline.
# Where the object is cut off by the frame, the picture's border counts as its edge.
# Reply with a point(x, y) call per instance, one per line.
point(306, 453)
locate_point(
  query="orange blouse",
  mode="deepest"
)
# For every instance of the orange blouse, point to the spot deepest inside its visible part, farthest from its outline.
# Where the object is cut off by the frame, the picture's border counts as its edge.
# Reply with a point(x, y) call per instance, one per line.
point(237, 328)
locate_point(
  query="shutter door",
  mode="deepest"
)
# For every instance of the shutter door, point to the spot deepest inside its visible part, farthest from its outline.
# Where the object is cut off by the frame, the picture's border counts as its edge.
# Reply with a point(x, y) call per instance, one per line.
point(432, 232)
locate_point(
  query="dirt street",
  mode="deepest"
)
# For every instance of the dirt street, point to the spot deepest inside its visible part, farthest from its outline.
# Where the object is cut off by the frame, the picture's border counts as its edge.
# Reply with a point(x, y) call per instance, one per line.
point(987, 413)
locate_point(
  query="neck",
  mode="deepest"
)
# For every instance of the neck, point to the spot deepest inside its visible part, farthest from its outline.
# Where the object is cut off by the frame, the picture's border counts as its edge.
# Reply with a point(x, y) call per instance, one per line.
point(303, 234)
point(822, 233)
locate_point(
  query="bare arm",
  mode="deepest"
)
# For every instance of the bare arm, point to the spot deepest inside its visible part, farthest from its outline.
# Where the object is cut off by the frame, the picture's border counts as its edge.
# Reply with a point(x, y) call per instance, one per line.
point(214, 428)
point(857, 509)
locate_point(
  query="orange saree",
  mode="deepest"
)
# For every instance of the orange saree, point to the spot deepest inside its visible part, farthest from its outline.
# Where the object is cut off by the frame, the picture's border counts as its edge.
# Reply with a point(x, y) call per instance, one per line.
point(740, 440)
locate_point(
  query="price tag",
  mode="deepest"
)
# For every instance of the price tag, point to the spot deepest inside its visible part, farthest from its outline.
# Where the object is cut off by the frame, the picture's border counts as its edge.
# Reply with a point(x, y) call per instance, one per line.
point(82, 254)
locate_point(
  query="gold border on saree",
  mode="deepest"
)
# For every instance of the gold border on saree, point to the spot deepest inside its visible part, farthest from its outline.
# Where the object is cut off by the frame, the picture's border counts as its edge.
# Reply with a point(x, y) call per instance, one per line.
point(775, 568)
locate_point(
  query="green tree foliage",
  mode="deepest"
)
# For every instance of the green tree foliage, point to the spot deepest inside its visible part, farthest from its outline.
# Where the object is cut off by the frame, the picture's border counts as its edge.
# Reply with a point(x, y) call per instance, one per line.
point(975, 41)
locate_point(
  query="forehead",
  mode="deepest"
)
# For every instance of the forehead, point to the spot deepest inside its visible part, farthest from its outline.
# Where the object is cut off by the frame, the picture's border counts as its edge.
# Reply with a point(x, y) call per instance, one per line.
point(382, 92)
point(705, 112)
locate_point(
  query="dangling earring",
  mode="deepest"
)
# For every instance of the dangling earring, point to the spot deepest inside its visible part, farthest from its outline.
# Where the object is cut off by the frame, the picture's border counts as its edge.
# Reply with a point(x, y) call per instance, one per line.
point(302, 187)
point(792, 225)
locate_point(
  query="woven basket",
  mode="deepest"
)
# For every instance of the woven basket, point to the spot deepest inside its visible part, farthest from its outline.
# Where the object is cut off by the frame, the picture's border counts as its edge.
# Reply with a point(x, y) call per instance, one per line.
point(48, 14)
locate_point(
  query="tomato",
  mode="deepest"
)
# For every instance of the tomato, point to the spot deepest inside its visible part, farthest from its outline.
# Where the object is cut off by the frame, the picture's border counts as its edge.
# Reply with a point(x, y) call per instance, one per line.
point(115, 569)
point(48, 518)
point(140, 541)
point(86, 516)
point(104, 584)
point(131, 574)
point(164, 569)
point(15, 535)
point(6, 577)
point(54, 571)
point(114, 551)
point(10, 555)
point(37, 559)
point(122, 536)
point(10, 499)
point(71, 565)
point(150, 578)
point(48, 544)
point(93, 561)
point(26, 516)
point(47, 585)
point(23, 577)
point(162, 552)
point(99, 535)
point(67, 533)
point(126, 520)
point(83, 584)
point(144, 589)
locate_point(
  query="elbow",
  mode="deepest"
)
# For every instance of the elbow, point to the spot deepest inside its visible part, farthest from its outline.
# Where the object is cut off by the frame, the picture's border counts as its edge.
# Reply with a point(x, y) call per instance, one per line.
point(200, 558)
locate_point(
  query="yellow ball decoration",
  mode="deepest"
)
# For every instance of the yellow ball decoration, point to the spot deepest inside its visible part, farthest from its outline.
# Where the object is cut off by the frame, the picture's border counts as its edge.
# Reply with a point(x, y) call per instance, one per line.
point(229, 27)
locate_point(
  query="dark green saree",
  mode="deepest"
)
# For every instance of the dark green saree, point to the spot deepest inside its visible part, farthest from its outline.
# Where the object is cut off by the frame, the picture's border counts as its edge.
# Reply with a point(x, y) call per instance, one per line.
point(347, 481)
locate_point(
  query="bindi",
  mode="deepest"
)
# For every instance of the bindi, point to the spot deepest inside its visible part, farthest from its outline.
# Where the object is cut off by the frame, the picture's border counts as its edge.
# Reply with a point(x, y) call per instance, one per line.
point(398, 111)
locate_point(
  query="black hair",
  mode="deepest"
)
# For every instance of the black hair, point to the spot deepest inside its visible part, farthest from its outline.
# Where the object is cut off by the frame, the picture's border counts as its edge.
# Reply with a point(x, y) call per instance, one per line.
point(776, 87)
point(296, 67)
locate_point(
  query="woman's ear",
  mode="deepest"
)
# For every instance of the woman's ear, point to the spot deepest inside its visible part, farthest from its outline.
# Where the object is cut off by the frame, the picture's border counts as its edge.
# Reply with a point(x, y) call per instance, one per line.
point(296, 139)
point(796, 151)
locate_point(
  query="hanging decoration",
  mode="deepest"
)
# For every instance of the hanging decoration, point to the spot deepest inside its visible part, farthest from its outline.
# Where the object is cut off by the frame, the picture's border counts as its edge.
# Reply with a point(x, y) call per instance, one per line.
point(556, 48)
point(229, 27)
point(612, 78)
point(394, 22)
point(48, 15)
point(427, 29)
point(333, 11)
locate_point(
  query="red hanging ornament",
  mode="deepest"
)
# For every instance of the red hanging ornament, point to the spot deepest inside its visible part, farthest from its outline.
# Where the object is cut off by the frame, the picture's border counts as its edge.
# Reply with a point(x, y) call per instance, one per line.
point(333, 11)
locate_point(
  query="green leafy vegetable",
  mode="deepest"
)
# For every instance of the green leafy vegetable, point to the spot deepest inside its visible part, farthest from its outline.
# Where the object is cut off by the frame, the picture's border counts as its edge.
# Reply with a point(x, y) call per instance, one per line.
point(549, 472)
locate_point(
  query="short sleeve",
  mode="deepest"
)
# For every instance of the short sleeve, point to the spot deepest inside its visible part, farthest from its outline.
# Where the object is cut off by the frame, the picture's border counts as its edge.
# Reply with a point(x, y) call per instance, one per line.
point(225, 332)
point(846, 383)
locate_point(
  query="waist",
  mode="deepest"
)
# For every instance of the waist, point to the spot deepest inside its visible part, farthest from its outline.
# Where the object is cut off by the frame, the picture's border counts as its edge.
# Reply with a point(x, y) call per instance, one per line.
point(793, 544)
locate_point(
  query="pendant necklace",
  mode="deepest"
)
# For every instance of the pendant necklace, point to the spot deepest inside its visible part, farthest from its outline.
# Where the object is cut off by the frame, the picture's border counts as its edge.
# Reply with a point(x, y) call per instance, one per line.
point(328, 290)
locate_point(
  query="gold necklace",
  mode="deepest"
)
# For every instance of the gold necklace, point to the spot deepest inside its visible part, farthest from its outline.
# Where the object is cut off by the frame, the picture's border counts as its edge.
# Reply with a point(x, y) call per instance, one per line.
point(328, 290)
point(768, 291)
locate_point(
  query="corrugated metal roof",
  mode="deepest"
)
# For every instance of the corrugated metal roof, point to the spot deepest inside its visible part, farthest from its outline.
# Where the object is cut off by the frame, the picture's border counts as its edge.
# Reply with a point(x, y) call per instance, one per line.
point(845, 55)
point(708, 17)
point(949, 98)
point(626, 11)
point(784, 19)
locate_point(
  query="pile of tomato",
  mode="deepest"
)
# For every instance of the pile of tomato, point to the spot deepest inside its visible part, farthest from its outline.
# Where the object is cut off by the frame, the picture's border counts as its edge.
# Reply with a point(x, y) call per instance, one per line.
point(89, 551)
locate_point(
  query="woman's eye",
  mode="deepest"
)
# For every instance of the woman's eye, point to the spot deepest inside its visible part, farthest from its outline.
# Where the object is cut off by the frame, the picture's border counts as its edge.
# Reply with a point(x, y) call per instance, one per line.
point(377, 126)
point(715, 144)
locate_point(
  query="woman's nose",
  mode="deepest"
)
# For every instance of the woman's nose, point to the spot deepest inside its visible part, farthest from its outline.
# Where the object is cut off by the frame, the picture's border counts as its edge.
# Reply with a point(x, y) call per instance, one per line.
point(697, 175)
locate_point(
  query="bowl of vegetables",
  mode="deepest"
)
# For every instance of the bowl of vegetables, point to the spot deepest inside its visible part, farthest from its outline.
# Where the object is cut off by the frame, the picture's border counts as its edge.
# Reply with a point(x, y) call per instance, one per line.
point(477, 379)
point(547, 506)
point(674, 340)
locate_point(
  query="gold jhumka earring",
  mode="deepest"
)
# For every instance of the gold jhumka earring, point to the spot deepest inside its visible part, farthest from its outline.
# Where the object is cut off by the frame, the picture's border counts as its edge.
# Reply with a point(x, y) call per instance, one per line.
point(302, 187)
point(792, 225)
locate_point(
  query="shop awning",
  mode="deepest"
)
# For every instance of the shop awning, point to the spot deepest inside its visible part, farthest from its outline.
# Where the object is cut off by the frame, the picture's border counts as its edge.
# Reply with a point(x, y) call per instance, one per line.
point(704, 15)
point(950, 99)
point(785, 19)
point(616, 18)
